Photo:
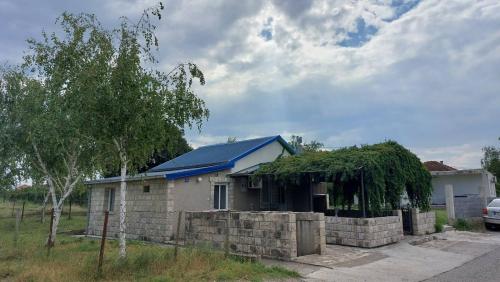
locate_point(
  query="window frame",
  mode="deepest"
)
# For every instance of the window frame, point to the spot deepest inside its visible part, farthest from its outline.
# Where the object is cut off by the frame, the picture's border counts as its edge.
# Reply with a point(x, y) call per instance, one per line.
point(110, 199)
point(217, 189)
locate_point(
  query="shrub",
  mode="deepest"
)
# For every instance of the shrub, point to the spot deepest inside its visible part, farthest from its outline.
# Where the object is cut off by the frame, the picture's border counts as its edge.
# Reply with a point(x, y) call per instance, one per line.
point(439, 227)
point(462, 225)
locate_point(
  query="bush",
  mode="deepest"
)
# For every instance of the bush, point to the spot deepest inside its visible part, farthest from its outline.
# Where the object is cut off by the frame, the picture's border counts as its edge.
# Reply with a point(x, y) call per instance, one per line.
point(439, 227)
point(462, 225)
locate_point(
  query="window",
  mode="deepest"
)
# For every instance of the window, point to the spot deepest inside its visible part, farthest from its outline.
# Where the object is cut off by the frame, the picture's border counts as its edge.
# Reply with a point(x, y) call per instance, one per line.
point(220, 196)
point(145, 189)
point(494, 204)
point(110, 199)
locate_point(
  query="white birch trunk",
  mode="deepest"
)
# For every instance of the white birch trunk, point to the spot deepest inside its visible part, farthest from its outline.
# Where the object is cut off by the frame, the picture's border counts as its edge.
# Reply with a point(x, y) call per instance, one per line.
point(57, 217)
point(123, 207)
point(65, 186)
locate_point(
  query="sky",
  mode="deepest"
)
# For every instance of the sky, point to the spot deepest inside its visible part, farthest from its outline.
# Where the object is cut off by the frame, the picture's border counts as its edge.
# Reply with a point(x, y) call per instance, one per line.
point(423, 73)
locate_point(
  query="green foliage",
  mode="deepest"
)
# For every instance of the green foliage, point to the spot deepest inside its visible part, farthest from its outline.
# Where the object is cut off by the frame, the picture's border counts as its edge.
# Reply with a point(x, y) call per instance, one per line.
point(439, 227)
point(441, 216)
point(462, 225)
point(491, 162)
point(388, 170)
point(141, 109)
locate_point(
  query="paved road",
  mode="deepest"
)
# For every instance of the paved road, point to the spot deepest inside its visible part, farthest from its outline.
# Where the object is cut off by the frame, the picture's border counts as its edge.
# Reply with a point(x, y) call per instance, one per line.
point(485, 268)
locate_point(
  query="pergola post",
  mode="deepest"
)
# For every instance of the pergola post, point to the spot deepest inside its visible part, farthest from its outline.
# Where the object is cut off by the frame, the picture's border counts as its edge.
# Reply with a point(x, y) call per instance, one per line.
point(363, 192)
point(311, 201)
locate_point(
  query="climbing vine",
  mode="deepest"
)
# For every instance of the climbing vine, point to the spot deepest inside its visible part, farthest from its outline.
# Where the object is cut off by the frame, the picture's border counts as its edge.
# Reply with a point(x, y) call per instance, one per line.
point(388, 170)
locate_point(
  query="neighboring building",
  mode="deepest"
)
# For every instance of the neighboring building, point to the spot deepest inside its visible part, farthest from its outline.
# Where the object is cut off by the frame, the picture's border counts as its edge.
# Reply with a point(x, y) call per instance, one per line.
point(465, 182)
point(210, 177)
point(23, 186)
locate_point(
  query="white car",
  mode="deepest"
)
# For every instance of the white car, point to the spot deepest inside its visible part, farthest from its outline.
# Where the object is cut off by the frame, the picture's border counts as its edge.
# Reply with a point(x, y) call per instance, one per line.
point(491, 214)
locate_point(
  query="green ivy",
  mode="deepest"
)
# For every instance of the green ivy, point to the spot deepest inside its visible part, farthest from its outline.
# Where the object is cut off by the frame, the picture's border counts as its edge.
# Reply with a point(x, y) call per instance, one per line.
point(388, 170)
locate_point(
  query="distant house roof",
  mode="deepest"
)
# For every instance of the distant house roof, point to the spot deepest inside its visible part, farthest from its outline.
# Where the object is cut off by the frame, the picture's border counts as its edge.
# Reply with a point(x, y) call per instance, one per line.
point(23, 186)
point(215, 157)
point(438, 166)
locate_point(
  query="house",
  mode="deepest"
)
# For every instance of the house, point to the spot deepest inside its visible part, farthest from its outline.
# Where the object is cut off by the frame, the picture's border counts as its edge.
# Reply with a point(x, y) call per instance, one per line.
point(23, 186)
point(210, 177)
point(466, 182)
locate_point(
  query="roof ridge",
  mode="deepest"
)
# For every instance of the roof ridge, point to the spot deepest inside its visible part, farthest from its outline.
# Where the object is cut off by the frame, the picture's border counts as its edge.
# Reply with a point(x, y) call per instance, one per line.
point(237, 142)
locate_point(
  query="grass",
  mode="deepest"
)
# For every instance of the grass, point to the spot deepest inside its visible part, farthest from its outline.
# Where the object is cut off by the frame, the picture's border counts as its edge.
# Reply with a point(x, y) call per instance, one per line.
point(469, 225)
point(441, 219)
point(75, 259)
point(459, 224)
point(462, 225)
point(32, 209)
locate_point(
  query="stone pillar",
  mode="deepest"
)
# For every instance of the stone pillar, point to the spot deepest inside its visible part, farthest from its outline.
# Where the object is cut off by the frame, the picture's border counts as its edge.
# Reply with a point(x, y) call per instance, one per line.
point(450, 204)
point(484, 192)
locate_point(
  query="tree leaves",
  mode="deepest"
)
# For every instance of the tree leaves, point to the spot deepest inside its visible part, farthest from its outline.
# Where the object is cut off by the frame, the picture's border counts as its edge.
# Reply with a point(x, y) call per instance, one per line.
point(388, 170)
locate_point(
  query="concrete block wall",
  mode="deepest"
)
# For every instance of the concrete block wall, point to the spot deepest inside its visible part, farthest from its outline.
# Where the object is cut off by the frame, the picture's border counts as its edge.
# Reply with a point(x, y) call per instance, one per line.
point(470, 206)
point(263, 234)
point(147, 213)
point(423, 222)
point(364, 232)
point(313, 231)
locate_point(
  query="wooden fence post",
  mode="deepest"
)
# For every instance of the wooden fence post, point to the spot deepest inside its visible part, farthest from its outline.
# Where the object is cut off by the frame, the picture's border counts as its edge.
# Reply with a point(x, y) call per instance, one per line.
point(18, 221)
point(103, 241)
point(13, 206)
point(42, 217)
point(69, 215)
point(22, 213)
point(226, 238)
point(177, 233)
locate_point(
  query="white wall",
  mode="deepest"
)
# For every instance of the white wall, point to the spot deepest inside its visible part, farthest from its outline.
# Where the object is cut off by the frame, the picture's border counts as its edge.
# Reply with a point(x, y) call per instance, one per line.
point(265, 154)
point(463, 184)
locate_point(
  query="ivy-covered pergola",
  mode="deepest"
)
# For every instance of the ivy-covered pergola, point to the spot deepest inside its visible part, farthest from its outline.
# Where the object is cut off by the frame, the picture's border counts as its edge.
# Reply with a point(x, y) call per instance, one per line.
point(379, 175)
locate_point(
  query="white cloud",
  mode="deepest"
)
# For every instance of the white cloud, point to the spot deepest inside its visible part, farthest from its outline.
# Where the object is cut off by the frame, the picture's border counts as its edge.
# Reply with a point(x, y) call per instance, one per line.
point(464, 156)
point(428, 79)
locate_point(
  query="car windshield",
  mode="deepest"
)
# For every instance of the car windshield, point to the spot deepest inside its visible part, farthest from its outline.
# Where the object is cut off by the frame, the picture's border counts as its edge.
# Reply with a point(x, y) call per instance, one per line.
point(495, 203)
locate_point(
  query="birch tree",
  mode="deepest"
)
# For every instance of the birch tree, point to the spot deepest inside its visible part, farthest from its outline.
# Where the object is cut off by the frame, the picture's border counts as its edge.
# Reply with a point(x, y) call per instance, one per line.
point(47, 104)
point(144, 106)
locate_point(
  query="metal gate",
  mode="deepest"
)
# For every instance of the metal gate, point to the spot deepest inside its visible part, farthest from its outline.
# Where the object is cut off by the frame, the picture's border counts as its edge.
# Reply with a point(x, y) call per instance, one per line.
point(407, 220)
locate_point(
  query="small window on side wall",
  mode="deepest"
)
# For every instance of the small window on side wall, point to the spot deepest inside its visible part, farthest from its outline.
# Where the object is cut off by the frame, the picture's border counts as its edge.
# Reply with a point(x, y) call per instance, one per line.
point(110, 199)
point(145, 189)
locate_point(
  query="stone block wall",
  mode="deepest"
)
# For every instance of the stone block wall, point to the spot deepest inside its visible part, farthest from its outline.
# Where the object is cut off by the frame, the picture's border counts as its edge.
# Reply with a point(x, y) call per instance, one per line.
point(147, 213)
point(364, 232)
point(263, 234)
point(423, 222)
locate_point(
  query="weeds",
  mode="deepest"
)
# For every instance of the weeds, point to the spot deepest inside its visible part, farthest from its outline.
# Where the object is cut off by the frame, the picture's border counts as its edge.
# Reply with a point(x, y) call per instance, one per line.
point(462, 225)
point(75, 259)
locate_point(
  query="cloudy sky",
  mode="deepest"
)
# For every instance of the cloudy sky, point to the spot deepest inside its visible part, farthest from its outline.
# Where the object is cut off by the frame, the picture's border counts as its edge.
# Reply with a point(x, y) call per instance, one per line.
point(423, 73)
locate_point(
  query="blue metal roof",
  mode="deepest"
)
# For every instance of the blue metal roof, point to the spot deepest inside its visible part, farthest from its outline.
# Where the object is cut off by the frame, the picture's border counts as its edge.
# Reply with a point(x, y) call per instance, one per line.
point(214, 157)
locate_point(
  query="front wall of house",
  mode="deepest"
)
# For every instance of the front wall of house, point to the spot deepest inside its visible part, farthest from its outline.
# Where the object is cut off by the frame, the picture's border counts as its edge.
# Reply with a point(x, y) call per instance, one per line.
point(153, 216)
point(196, 193)
point(462, 185)
point(245, 199)
point(147, 213)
